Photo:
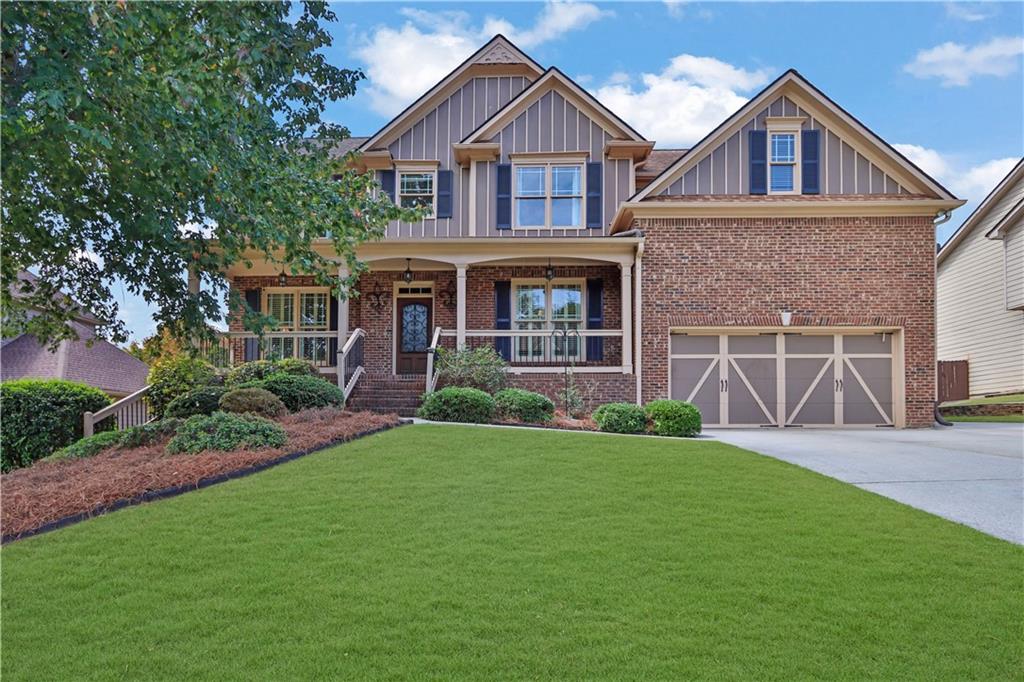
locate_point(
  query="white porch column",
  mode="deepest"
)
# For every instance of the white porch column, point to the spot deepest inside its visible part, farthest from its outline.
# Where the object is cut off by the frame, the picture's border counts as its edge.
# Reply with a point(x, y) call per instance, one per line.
point(460, 314)
point(342, 326)
point(626, 296)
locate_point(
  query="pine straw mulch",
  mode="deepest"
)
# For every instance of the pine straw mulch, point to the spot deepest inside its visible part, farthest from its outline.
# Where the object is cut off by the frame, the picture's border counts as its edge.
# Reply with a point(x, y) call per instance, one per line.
point(50, 492)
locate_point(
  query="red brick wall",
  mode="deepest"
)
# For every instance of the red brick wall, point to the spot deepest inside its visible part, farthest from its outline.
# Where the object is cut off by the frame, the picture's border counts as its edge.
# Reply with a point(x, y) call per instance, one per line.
point(595, 389)
point(827, 271)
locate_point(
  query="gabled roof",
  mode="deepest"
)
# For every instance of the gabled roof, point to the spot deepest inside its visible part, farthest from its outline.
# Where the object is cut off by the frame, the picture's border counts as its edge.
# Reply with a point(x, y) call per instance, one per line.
point(981, 213)
point(553, 79)
point(800, 90)
point(1000, 229)
point(498, 51)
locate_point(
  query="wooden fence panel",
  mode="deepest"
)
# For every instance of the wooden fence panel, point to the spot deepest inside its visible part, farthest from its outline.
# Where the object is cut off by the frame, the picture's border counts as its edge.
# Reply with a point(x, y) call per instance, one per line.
point(954, 380)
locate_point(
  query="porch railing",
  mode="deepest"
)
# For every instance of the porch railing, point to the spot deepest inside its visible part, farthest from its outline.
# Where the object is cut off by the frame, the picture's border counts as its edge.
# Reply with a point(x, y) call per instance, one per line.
point(431, 381)
point(540, 350)
point(319, 347)
point(132, 410)
point(350, 362)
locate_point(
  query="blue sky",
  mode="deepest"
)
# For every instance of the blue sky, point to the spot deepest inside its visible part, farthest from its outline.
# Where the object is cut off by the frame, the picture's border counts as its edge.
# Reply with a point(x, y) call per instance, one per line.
point(941, 81)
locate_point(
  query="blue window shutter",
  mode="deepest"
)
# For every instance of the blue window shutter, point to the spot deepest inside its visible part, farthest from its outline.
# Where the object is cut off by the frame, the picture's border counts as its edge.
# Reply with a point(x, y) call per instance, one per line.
point(758, 147)
point(595, 318)
point(251, 347)
point(252, 299)
point(387, 183)
point(503, 317)
point(594, 195)
point(444, 194)
point(504, 196)
point(810, 153)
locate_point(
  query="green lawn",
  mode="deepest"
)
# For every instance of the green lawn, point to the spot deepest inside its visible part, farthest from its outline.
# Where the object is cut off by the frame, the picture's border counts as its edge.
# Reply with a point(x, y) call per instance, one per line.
point(1011, 418)
point(449, 552)
point(992, 400)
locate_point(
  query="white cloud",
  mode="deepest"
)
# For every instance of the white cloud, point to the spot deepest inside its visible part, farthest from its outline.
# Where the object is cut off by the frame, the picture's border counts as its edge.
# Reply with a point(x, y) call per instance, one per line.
point(957, 64)
point(971, 11)
point(928, 160)
point(685, 101)
point(977, 181)
point(437, 42)
point(677, 9)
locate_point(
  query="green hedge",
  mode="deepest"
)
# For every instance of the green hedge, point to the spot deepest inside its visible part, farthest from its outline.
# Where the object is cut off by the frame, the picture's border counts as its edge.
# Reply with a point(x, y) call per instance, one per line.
point(621, 418)
point(674, 418)
point(262, 369)
point(302, 392)
point(252, 400)
point(223, 431)
point(524, 406)
point(200, 400)
point(175, 375)
point(42, 416)
point(136, 436)
point(87, 447)
point(455, 404)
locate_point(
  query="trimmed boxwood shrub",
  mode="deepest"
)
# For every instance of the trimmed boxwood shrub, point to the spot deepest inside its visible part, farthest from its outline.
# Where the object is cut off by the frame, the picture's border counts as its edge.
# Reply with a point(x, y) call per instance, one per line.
point(621, 418)
point(258, 370)
point(223, 431)
point(147, 434)
point(456, 404)
point(673, 418)
point(524, 406)
point(42, 416)
point(176, 375)
point(303, 392)
point(87, 447)
point(255, 400)
point(201, 400)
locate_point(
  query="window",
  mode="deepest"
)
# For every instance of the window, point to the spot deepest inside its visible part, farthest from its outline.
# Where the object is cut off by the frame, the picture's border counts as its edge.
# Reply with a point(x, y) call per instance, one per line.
point(549, 195)
point(297, 310)
point(416, 189)
point(783, 163)
point(548, 306)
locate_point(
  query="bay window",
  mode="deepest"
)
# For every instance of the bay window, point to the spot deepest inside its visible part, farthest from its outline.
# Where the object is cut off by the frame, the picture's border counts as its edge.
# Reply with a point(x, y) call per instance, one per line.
point(548, 195)
point(548, 306)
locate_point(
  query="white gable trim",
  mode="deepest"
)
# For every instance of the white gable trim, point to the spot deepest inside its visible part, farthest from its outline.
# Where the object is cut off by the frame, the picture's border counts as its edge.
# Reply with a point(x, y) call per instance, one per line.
point(806, 96)
point(998, 192)
point(498, 51)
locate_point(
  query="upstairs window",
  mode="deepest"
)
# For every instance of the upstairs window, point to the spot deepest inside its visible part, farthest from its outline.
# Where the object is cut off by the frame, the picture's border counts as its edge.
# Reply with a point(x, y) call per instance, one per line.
point(782, 161)
point(549, 195)
point(416, 189)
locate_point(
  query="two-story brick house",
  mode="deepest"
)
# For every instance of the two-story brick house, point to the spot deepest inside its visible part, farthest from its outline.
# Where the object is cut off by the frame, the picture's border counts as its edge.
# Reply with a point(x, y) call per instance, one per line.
point(779, 273)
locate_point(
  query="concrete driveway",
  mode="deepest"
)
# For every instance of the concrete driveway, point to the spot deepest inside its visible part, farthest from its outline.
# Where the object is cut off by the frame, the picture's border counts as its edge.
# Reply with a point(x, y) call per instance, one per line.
point(971, 473)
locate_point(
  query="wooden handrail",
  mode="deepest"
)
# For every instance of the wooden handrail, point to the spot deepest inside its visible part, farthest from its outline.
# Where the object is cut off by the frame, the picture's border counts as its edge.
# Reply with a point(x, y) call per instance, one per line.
point(431, 378)
point(350, 343)
point(90, 419)
point(357, 333)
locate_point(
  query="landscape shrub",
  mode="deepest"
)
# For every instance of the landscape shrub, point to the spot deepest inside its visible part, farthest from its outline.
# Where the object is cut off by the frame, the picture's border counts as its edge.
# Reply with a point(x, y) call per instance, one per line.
point(458, 404)
point(261, 369)
point(620, 418)
point(524, 406)
point(480, 368)
point(147, 434)
point(225, 432)
point(87, 447)
point(175, 375)
point(200, 400)
point(673, 418)
point(303, 392)
point(42, 416)
point(255, 400)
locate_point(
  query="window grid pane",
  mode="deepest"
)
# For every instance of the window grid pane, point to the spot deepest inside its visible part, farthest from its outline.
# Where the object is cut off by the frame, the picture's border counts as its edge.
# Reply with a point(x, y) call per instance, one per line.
point(282, 308)
point(784, 148)
point(565, 181)
point(530, 181)
point(313, 309)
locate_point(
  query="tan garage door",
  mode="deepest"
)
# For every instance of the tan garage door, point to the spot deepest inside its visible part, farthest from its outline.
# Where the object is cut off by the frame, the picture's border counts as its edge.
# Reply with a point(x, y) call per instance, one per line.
point(785, 379)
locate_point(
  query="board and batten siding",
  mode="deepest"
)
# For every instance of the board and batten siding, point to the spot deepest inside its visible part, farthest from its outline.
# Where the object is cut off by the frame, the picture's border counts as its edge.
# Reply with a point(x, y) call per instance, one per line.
point(725, 169)
point(431, 138)
point(972, 320)
point(1013, 265)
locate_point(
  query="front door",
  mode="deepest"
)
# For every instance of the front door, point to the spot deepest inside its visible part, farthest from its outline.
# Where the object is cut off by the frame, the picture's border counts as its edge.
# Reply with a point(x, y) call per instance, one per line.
point(413, 338)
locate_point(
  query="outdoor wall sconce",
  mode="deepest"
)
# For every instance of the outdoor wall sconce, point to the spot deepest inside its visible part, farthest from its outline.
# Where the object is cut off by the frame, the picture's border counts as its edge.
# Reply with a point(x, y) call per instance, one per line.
point(407, 275)
point(786, 318)
point(549, 272)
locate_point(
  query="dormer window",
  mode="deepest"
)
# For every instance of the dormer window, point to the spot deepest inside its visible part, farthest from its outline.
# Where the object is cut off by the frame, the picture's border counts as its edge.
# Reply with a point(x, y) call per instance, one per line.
point(784, 155)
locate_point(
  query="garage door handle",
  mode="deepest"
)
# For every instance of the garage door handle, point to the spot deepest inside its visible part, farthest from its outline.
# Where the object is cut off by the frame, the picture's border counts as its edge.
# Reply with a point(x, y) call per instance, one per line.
point(839, 385)
point(723, 385)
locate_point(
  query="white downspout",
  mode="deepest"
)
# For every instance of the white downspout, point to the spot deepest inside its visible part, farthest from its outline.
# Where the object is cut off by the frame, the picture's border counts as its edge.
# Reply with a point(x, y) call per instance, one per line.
point(940, 218)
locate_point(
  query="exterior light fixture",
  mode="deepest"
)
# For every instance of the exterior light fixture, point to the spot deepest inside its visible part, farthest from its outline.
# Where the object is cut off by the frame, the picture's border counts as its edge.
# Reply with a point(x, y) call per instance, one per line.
point(549, 271)
point(786, 318)
point(282, 279)
point(407, 275)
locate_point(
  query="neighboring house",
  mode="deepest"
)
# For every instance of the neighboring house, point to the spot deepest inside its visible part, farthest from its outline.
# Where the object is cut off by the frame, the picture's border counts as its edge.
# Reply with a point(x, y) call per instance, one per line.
point(780, 272)
point(980, 311)
point(100, 364)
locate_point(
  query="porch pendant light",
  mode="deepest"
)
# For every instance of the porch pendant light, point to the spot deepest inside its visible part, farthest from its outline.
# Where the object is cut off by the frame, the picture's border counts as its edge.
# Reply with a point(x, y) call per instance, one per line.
point(549, 272)
point(282, 279)
point(407, 275)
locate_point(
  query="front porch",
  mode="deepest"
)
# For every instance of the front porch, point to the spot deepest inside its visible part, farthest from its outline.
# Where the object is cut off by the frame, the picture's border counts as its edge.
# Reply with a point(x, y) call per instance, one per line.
point(544, 305)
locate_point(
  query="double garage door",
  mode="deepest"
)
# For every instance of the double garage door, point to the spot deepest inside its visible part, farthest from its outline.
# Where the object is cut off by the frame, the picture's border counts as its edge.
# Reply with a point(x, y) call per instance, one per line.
point(778, 378)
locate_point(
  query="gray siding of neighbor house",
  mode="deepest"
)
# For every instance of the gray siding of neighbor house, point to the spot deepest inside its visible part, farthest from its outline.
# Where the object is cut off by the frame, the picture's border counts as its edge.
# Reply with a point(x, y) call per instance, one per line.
point(724, 170)
point(431, 138)
point(552, 124)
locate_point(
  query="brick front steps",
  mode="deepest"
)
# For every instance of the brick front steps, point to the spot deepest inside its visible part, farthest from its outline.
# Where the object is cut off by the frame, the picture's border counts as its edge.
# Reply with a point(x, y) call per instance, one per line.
point(388, 394)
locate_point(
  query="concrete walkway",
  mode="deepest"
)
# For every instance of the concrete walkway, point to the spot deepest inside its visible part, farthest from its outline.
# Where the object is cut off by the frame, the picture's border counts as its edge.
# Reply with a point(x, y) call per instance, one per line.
point(971, 473)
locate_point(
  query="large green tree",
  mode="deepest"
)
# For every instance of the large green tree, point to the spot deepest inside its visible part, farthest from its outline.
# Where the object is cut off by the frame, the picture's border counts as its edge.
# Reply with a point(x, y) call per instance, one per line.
point(141, 139)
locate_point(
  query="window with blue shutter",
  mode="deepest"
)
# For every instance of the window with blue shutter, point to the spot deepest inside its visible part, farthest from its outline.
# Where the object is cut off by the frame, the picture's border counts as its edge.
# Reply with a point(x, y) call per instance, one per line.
point(504, 196)
point(594, 203)
point(503, 318)
point(332, 325)
point(444, 194)
point(758, 149)
point(251, 349)
point(810, 166)
point(387, 183)
point(595, 318)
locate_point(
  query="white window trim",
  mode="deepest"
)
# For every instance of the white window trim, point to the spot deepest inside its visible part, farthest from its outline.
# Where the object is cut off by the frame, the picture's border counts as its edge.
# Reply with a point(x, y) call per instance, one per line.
point(295, 324)
point(785, 125)
point(547, 163)
point(548, 321)
point(419, 167)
